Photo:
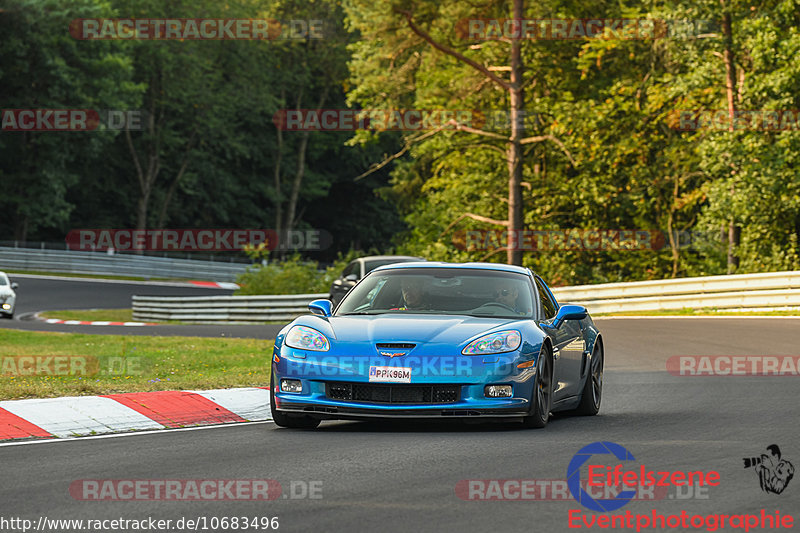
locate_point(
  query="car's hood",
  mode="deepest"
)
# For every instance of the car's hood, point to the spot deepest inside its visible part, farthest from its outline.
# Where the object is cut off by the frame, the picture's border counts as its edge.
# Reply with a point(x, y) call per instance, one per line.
point(405, 328)
point(5, 291)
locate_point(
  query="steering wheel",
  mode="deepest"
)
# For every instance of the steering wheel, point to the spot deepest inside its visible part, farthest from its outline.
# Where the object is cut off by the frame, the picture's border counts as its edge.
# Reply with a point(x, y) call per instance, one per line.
point(498, 304)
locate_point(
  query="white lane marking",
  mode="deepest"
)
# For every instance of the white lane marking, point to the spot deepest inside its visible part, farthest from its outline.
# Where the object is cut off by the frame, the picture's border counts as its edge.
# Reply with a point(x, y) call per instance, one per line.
point(227, 285)
point(79, 415)
point(250, 403)
point(132, 434)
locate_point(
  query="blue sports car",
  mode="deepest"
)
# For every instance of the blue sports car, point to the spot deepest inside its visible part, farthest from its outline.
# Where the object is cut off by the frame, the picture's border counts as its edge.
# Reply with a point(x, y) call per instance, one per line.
point(423, 340)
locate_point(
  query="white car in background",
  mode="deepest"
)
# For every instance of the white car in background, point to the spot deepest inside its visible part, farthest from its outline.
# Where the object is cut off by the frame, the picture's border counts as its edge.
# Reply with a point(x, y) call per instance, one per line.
point(8, 297)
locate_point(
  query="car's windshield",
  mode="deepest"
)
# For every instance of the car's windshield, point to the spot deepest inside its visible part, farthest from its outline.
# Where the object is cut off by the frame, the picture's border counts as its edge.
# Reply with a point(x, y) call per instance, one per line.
point(3, 280)
point(453, 291)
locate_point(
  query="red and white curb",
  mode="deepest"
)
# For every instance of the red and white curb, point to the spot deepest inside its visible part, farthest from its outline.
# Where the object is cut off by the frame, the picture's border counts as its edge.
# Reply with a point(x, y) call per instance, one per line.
point(94, 322)
point(114, 413)
point(216, 284)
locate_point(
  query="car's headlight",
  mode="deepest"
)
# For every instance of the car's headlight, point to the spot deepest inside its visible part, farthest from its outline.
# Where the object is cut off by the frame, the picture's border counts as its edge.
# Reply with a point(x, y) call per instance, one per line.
point(305, 338)
point(502, 341)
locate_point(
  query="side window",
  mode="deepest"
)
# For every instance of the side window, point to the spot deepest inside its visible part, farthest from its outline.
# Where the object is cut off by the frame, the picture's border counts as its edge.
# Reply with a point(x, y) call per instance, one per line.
point(548, 306)
point(352, 268)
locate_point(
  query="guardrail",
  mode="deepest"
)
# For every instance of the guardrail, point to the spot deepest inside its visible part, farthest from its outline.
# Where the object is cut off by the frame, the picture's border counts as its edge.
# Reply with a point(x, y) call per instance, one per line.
point(228, 309)
point(100, 263)
point(774, 290)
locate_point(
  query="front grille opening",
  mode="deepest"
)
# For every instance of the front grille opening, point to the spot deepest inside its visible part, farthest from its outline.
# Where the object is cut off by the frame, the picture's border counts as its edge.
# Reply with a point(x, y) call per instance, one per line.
point(394, 345)
point(339, 391)
point(367, 392)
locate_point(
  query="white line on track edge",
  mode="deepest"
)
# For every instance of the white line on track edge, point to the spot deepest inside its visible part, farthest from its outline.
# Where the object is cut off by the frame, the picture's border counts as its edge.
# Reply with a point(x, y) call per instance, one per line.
point(132, 433)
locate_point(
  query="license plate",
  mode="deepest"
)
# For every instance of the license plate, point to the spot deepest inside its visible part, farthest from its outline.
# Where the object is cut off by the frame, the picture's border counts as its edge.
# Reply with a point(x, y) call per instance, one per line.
point(390, 374)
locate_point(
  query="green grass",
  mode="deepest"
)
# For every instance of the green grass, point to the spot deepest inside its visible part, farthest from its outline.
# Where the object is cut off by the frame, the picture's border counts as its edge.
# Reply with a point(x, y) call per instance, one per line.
point(111, 315)
point(119, 363)
point(705, 311)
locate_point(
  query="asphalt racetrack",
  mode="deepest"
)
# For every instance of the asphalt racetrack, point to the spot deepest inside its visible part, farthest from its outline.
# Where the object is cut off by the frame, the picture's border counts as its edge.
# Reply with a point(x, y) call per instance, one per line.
point(40, 293)
point(412, 476)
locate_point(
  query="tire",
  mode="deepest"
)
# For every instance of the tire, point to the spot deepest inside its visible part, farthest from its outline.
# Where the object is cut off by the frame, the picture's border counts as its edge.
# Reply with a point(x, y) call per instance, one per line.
point(542, 395)
point(592, 393)
point(286, 421)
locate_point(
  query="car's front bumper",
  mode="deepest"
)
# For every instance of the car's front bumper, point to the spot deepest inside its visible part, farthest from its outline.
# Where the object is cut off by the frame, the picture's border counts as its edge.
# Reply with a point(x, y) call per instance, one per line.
point(353, 412)
point(468, 375)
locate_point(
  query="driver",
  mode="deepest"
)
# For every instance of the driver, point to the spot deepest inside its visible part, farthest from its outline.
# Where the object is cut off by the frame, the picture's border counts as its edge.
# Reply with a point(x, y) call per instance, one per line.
point(507, 294)
point(413, 294)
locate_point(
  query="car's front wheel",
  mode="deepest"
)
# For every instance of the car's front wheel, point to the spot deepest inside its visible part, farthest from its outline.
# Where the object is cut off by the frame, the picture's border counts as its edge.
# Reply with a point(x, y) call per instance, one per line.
point(542, 395)
point(287, 421)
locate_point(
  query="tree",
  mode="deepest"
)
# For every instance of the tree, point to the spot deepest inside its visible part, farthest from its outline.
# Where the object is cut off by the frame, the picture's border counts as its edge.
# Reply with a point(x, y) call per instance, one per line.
point(406, 55)
point(43, 67)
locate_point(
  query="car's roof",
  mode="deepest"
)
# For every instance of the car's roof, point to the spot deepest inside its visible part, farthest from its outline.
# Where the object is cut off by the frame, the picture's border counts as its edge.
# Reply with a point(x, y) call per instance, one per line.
point(385, 257)
point(465, 266)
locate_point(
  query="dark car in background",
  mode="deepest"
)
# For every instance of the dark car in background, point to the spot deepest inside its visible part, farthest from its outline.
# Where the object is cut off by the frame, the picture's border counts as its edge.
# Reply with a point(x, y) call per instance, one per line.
point(358, 268)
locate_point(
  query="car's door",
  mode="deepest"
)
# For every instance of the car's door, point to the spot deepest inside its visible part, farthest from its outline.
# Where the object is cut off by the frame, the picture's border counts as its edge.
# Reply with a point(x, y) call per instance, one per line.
point(350, 276)
point(567, 345)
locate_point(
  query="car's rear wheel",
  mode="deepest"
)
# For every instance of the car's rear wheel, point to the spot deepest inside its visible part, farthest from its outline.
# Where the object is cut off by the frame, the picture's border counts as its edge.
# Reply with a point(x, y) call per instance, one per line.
point(542, 395)
point(287, 421)
point(593, 388)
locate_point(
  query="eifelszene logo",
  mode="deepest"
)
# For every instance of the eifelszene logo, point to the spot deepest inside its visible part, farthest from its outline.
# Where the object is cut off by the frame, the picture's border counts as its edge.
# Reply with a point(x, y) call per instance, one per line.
point(774, 473)
point(574, 476)
point(617, 477)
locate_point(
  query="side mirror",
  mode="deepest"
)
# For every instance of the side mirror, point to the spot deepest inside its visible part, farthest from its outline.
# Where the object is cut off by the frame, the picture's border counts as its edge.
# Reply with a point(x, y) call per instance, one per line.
point(351, 277)
point(320, 307)
point(569, 312)
point(14, 286)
